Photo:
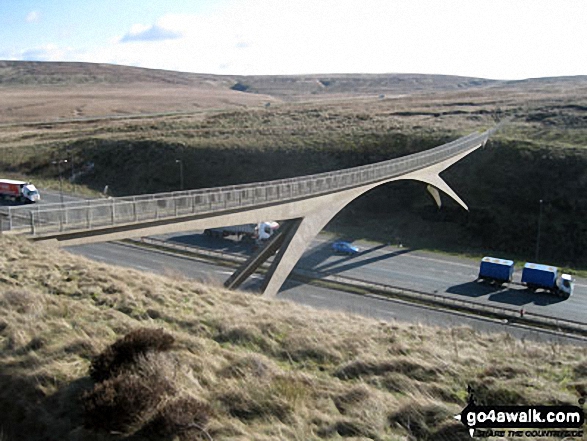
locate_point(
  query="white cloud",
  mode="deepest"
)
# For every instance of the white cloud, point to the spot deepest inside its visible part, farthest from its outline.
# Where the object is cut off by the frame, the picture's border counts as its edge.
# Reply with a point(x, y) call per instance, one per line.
point(491, 39)
point(48, 52)
point(33, 17)
point(149, 33)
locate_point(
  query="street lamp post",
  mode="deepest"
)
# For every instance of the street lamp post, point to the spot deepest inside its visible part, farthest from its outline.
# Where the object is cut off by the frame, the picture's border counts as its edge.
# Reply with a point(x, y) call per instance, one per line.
point(61, 161)
point(180, 162)
point(538, 235)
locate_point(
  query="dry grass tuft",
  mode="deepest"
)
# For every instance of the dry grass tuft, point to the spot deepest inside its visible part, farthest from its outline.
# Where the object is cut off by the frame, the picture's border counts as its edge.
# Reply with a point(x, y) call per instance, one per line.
point(249, 400)
point(361, 368)
point(22, 302)
point(251, 365)
point(421, 418)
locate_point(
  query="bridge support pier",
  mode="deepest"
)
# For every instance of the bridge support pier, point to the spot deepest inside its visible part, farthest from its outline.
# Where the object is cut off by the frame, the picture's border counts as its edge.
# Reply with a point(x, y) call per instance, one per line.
point(283, 236)
point(327, 206)
point(307, 229)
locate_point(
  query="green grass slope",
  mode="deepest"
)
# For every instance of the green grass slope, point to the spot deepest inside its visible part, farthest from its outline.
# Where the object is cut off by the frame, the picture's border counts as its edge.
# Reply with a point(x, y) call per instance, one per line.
point(215, 364)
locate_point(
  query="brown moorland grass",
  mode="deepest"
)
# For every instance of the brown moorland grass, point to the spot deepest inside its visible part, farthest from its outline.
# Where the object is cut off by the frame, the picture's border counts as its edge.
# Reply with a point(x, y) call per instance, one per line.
point(237, 366)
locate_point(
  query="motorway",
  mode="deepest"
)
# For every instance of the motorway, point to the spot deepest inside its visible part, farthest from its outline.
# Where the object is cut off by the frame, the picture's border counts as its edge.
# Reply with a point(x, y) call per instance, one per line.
point(404, 268)
point(417, 270)
point(384, 309)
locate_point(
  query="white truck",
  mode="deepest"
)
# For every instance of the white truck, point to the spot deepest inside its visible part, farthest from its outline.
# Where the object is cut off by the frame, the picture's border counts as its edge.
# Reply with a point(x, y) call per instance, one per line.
point(535, 276)
point(257, 232)
point(18, 191)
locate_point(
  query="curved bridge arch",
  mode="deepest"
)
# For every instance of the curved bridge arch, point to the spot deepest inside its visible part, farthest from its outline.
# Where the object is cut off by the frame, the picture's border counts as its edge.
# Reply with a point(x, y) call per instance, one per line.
point(308, 202)
point(305, 229)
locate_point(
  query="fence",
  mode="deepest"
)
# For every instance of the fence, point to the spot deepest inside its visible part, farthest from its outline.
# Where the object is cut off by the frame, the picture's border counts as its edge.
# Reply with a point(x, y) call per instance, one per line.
point(97, 213)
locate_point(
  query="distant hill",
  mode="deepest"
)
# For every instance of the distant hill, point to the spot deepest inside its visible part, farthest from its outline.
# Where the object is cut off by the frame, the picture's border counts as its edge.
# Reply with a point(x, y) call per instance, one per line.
point(37, 73)
point(47, 91)
point(356, 84)
point(62, 73)
point(18, 73)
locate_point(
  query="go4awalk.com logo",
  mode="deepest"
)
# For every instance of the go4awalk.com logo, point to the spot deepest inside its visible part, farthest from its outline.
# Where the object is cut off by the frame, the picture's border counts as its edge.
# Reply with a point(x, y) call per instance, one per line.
point(522, 421)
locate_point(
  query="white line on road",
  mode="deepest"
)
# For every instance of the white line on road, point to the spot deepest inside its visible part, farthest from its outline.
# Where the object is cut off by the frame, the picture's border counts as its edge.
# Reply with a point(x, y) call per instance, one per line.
point(443, 262)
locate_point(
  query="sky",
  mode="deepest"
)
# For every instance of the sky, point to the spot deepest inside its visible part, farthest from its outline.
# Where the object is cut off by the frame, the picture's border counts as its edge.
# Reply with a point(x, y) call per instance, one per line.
point(497, 39)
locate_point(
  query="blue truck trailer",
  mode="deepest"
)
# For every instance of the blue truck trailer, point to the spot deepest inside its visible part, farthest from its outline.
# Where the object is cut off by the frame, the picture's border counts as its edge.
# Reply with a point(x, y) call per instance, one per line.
point(495, 270)
point(534, 276)
point(537, 276)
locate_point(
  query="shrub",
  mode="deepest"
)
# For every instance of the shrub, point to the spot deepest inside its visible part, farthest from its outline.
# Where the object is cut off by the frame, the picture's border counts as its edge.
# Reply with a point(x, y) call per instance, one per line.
point(240, 87)
point(123, 402)
point(184, 418)
point(125, 351)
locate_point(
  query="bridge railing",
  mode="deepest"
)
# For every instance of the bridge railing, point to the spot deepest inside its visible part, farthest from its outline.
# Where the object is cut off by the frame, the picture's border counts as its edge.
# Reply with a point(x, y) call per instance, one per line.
point(97, 213)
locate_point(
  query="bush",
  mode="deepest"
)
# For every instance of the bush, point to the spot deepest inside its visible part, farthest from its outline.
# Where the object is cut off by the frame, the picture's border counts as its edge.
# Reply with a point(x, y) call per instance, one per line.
point(123, 402)
point(125, 351)
point(184, 418)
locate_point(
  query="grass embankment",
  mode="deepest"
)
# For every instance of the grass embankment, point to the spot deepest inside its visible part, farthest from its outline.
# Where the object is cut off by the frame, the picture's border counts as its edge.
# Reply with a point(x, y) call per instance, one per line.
point(234, 366)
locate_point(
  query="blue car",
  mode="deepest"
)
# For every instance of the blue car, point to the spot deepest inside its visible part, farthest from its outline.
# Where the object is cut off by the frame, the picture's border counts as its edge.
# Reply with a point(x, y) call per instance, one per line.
point(343, 247)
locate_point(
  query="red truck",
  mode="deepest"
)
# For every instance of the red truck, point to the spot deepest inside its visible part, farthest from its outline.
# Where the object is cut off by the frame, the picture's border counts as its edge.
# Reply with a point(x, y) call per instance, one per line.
point(18, 191)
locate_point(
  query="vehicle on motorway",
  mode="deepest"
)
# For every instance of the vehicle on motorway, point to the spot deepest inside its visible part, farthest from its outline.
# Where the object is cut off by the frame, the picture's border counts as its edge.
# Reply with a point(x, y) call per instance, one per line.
point(534, 276)
point(253, 232)
point(495, 270)
point(20, 191)
point(343, 247)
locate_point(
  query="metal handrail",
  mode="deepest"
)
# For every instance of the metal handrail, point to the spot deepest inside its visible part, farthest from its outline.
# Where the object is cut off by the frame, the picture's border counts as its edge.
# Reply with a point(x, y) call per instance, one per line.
point(89, 214)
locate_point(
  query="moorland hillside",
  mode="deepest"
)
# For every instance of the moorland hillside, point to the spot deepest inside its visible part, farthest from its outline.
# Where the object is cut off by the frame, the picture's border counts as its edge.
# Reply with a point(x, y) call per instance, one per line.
point(99, 353)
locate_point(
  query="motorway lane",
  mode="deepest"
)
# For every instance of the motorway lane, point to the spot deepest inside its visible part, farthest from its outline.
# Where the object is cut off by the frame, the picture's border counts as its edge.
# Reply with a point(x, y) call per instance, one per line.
point(409, 269)
point(373, 307)
point(446, 275)
point(47, 197)
point(416, 270)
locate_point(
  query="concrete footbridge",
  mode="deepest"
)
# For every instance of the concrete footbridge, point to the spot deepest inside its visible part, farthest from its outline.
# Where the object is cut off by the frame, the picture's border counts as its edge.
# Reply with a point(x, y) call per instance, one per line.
point(305, 203)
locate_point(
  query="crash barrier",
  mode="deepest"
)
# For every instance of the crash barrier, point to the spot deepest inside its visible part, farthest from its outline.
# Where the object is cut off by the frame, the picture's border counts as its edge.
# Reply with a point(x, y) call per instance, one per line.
point(43, 219)
point(511, 314)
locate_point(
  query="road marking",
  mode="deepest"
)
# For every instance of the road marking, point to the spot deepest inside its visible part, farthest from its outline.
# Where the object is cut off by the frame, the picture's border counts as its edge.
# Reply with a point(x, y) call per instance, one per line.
point(443, 262)
point(142, 268)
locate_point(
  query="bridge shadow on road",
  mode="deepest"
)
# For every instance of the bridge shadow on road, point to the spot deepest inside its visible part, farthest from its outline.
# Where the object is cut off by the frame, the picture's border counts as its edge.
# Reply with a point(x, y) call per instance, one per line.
point(353, 258)
point(312, 260)
point(225, 245)
point(336, 268)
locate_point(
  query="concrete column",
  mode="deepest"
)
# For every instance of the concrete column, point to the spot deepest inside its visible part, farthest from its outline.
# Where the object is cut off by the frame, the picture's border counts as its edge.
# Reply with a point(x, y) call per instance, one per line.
point(307, 230)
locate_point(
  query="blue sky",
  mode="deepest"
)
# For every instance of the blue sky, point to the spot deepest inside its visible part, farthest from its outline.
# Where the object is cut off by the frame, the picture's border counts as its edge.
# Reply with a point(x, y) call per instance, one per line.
point(502, 39)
